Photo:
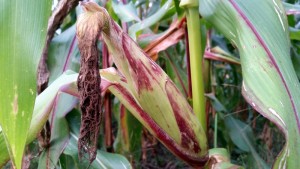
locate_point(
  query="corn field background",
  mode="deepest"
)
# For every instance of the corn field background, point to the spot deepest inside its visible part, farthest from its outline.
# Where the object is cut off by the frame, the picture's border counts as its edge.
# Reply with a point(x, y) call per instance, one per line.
point(172, 95)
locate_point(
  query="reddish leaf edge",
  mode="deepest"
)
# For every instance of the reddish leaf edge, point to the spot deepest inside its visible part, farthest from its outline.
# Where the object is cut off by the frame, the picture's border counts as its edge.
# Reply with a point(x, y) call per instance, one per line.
point(270, 56)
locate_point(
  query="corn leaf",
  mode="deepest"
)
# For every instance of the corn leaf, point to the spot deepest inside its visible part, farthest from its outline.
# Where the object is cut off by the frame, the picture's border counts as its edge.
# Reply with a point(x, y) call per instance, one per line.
point(259, 30)
point(46, 102)
point(125, 12)
point(22, 31)
point(153, 19)
point(4, 156)
point(60, 59)
point(129, 136)
point(43, 106)
point(104, 160)
point(291, 8)
point(64, 103)
point(239, 132)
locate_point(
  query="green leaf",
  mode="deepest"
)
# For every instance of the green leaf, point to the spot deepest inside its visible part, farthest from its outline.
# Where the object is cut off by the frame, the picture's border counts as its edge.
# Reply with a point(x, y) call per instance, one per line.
point(59, 130)
point(179, 10)
point(129, 137)
point(103, 159)
point(23, 31)
point(270, 83)
point(294, 34)
point(48, 101)
point(63, 54)
point(240, 133)
point(44, 102)
point(126, 12)
point(291, 8)
point(4, 156)
point(176, 71)
point(43, 106)
point(296, 57)
point(153, 19)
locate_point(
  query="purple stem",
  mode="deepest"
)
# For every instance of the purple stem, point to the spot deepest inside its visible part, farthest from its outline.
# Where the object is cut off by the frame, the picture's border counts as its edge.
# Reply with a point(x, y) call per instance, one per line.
point(107, 104)
point(66, 65)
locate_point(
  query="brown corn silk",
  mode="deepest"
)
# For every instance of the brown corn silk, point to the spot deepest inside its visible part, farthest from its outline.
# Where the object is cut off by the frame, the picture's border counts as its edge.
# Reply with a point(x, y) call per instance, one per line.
point(87, 32)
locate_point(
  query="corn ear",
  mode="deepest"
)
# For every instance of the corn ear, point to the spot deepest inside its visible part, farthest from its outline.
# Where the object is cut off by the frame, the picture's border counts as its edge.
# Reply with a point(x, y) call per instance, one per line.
point(146, 90)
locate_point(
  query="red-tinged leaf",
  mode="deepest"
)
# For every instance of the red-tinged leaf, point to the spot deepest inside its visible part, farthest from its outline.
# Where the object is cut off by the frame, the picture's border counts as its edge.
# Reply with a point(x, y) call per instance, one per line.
point(59, 130)
point(259, 30)
point(172, 36)
point(218, 54)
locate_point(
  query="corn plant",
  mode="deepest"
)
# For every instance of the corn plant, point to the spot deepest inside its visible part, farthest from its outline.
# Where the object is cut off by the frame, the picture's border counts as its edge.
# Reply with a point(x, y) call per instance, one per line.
point(258, 29)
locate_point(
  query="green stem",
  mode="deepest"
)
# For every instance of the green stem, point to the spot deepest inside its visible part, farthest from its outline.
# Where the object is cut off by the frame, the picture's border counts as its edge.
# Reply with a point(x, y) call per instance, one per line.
point(194, 36)
point(216, 131)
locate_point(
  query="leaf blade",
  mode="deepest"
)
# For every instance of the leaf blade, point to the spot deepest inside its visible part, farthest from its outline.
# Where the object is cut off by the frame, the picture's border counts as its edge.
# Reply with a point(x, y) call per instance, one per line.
point(21, 47)
point(270, 83)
